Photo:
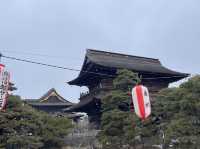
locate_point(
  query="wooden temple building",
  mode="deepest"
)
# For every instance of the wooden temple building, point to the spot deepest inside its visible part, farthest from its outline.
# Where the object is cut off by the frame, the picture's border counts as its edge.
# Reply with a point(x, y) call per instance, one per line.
point(50, 102)
point(97, 73)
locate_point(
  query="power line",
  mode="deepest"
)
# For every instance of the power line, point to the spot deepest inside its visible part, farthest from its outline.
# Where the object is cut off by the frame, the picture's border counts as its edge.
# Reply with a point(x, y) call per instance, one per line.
point(39, 63)
point(28, 53)
point(54, 66)
point(77, 70)
point(37, 54)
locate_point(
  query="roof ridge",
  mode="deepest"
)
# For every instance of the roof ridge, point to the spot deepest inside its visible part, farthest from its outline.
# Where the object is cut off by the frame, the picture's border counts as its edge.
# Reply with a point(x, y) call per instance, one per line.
point(115, 53)
point(49, 92)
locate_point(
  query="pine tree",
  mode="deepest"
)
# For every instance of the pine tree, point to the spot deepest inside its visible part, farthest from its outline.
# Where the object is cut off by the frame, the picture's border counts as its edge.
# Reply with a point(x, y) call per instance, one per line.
point(22, 127)
point(117, 120)
point(174, 122)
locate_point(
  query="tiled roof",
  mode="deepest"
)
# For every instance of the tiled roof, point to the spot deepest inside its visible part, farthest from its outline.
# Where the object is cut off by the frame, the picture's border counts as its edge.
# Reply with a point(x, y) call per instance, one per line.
point(123, 61)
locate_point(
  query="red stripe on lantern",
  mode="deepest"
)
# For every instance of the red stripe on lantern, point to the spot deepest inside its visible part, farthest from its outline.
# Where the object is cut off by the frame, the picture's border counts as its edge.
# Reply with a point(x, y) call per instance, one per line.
point(140, 101)
point(1, 65)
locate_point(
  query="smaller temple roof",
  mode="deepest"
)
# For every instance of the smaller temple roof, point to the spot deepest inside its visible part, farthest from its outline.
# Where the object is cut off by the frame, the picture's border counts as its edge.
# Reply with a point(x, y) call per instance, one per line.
point(123, 61)
point(51, 98)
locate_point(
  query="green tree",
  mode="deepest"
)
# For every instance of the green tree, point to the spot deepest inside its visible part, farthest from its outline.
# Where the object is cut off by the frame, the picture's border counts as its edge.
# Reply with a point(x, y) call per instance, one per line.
point(178, 111)
point(117, 121)
point(175, 115)
point(25, 128)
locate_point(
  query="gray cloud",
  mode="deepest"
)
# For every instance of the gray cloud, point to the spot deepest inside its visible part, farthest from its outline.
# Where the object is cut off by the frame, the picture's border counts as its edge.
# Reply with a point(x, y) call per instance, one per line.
point(168, 30)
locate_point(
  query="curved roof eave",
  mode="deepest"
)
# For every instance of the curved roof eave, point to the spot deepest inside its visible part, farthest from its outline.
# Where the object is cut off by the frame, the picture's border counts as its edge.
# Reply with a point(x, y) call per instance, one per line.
point(122, 61)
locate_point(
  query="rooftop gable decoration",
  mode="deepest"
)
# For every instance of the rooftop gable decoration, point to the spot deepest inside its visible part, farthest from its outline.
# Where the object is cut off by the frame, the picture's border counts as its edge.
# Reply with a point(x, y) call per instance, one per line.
point(52, 97)
point(50, 102)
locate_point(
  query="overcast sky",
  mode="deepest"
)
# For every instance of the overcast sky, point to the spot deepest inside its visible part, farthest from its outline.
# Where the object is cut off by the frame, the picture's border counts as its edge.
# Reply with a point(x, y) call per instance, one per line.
point(63, 29)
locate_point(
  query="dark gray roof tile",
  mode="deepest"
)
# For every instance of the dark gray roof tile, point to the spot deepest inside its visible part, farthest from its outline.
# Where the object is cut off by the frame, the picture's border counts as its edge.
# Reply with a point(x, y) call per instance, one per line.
point(123, 61)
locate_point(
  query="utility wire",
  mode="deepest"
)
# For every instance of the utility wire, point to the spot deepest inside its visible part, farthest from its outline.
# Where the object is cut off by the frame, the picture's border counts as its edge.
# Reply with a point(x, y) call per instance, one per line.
point(37, 54)
point(77, 70)
point(54, 66)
